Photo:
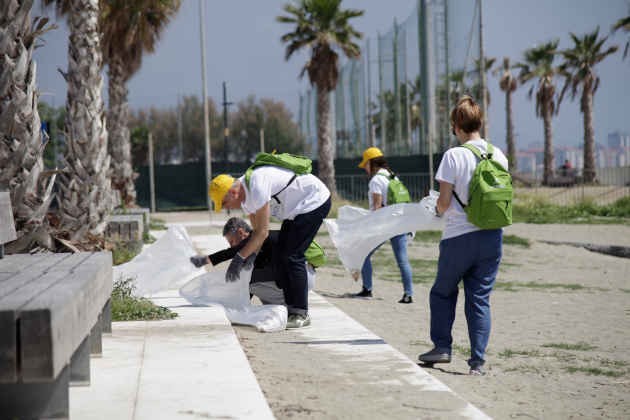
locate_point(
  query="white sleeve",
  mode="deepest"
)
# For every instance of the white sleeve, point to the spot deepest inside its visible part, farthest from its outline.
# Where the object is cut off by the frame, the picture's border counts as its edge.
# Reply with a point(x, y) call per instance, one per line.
point(378, 185)
point(447, 170)
point(260, 191)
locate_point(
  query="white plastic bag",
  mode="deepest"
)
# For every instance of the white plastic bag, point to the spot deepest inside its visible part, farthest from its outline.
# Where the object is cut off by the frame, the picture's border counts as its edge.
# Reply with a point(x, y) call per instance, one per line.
point(357, 231)
point(163, 265)
point(211, 288)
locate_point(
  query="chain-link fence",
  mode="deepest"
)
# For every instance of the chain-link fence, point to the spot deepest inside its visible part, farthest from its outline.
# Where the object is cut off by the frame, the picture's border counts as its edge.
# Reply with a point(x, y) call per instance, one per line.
point(398, 94)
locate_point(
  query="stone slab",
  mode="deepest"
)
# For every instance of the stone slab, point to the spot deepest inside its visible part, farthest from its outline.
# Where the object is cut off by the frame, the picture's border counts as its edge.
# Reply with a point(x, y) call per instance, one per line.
point(189, 367)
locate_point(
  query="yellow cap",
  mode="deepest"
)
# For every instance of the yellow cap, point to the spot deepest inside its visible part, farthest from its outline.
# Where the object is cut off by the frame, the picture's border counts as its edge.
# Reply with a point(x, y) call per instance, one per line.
point(219, 186)
point(370, 153)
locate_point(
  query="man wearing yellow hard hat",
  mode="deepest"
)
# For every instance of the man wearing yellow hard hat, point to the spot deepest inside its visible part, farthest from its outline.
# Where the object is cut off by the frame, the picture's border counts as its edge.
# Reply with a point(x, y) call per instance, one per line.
point(301, 202)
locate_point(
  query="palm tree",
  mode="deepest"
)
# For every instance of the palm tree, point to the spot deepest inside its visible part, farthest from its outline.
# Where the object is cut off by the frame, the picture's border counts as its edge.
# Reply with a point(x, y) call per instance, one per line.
point(538, 64)
point(323, 27)
point(579, 63)
point(85, 195)
point(21, 145)
point(623, 23)
point(130, 28)
point(508, 84)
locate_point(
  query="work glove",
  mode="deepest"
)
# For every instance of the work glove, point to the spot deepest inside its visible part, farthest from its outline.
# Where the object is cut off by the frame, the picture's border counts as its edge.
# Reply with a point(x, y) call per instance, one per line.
point(199, 260)
point(238, 263)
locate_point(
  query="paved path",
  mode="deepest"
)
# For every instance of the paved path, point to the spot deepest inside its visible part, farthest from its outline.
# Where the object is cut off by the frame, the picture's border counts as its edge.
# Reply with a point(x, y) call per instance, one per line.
point(186, 368)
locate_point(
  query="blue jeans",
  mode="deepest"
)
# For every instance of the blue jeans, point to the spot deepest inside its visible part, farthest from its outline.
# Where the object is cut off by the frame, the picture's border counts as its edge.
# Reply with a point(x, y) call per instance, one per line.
point(474, 258)
point(399, 245)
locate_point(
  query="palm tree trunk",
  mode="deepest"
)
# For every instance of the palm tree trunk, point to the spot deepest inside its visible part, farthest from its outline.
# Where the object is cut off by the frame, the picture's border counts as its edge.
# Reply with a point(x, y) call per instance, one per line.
point(589, 135)
point(119, 140)
point(326, 151)
point(85, 195)
point(548, 157)
point(20, 136)
point(512, 161)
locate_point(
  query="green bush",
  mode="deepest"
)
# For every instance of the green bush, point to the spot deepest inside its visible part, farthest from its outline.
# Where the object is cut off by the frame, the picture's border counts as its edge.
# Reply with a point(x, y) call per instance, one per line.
point(126, 307)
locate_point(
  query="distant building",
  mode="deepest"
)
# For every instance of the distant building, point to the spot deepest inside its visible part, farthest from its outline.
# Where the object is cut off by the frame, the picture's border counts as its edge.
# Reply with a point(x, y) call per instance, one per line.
point(618, 139)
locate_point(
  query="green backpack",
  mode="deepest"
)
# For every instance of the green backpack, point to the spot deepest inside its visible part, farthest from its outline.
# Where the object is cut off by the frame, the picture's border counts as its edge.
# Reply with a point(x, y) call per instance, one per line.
point(489, 193)
point(396, 190)
point(315, 255)
point(300, 165)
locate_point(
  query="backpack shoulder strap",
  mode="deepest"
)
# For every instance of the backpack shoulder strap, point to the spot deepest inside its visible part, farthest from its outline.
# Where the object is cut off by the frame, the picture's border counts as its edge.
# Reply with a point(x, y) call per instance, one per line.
point(477, 152)
point(275, 196)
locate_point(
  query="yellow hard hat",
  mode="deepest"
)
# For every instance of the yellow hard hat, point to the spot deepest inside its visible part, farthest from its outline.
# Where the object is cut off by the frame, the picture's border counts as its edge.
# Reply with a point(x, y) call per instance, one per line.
point(370, 153)
point(219, 186)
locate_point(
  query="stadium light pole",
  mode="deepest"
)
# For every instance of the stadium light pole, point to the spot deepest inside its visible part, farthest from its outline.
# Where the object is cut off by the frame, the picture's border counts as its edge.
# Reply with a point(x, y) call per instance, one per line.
point(206, 124)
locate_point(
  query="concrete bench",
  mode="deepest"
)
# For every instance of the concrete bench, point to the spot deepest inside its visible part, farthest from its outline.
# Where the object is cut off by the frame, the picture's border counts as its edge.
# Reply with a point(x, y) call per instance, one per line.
point(145, 212)
point(53, 310)
point(125, 228)
point(7, 225)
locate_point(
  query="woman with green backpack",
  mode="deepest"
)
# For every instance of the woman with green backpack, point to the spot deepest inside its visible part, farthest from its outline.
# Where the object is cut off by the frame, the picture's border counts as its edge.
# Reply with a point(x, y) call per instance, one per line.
point(385, 188)
point(470, 249)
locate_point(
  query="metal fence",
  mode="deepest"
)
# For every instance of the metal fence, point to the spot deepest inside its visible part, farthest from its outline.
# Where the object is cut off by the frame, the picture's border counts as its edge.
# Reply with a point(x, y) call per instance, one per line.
point(613, 184)
point(397, 95)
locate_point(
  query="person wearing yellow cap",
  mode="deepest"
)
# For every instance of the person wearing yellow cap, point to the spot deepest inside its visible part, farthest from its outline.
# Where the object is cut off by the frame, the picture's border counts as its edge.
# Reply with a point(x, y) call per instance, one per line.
point(377, 168)
point(301, 202)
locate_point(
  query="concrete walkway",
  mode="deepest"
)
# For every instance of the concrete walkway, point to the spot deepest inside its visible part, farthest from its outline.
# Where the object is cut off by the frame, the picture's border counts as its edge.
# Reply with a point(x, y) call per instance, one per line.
point(189, 367)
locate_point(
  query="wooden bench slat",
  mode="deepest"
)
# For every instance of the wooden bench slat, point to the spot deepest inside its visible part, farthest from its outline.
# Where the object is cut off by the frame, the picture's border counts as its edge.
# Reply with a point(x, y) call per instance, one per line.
point(16, 262)
point(24, 283)
point(53, 324)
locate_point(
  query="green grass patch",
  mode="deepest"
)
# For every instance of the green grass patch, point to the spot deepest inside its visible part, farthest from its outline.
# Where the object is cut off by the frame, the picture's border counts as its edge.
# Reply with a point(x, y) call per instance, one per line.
point(463, 350)
point(423, 271)
point(428, 236)
point(125, 251)
point(157, 224)
point(509, 353)
point(126, 307)
point(513, 286)
point(595, 371)
point(516, 240)
point(581, 346)
point(540, 210)
point(625, 290)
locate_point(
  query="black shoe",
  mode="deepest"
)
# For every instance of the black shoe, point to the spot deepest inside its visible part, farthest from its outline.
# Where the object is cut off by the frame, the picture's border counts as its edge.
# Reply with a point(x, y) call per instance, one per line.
point(406, 299)
point(364, 293)
point(435, 356)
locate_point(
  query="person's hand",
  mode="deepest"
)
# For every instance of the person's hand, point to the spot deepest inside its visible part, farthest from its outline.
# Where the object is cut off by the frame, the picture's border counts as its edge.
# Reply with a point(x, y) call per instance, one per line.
point(238, 263)
point(199, 260)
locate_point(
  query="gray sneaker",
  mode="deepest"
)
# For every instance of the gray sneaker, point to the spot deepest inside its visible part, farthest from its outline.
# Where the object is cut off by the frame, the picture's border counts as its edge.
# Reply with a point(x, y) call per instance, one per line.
point(298, 321)
point(477, 371)
point(435, 356)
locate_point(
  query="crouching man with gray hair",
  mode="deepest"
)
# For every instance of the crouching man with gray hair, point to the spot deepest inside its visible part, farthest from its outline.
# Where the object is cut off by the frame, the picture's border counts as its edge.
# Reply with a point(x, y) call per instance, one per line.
point(263, 282)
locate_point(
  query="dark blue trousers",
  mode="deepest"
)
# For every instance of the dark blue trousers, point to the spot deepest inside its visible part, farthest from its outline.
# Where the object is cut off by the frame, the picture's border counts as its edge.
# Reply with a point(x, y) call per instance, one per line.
point(474, 258)
point(295, 237)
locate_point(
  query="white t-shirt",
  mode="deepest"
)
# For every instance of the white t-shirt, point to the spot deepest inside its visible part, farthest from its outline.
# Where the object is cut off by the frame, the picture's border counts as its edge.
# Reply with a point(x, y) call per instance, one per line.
point(378, 185)
point(304, 194)
point(457, 168)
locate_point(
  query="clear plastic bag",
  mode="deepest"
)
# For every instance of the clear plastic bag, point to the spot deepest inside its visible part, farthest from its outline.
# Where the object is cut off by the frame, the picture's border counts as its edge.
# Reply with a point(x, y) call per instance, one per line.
point(212, 289)
point(163, 265)
point(358, 231)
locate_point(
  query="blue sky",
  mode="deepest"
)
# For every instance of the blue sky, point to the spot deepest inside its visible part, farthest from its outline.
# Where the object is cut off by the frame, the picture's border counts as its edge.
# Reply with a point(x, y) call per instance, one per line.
point(243, 48)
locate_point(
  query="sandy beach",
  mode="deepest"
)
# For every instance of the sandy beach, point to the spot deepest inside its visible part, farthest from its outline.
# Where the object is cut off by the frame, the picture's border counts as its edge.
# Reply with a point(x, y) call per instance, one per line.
point(559, 348)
